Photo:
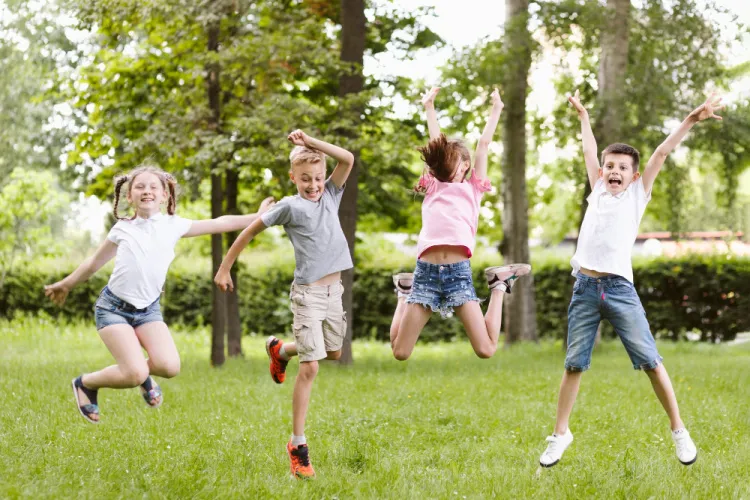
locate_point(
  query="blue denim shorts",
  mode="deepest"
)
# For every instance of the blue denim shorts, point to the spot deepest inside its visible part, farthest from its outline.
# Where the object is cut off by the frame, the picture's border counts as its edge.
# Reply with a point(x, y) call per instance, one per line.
point(612, 298)
point(442, 286)
point(112, 310)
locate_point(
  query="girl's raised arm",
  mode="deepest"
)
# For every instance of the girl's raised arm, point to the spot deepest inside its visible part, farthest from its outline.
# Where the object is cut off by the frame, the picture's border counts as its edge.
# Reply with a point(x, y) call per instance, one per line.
point(227, 223)
point(428, 101)
point(480, 156)
point(57, 292)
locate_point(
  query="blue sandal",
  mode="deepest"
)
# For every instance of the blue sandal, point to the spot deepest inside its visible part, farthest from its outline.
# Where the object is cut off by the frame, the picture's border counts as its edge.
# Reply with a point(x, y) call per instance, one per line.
point(151, 392)
point(91, 408)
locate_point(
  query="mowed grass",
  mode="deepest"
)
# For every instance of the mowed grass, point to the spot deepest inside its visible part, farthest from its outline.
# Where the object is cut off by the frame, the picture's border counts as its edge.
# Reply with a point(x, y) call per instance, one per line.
point(444, 424)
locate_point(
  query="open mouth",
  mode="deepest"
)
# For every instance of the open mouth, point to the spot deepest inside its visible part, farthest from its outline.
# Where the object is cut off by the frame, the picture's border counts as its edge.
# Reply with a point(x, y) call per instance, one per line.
point(615, 182)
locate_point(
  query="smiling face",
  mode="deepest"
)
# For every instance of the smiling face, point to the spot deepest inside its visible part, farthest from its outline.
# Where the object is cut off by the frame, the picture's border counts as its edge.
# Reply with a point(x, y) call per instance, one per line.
point(146, 194)
point(618, 172)
point(310, 178)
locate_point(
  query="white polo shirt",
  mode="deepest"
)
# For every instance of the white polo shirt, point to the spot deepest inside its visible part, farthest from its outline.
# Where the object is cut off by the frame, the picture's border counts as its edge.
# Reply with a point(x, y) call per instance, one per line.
point(145, 249)
point(609, 229)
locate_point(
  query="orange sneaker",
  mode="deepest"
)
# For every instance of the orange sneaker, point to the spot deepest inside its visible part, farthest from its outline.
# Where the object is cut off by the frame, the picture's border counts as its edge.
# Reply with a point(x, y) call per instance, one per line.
point(278, 365)
point(299, 461)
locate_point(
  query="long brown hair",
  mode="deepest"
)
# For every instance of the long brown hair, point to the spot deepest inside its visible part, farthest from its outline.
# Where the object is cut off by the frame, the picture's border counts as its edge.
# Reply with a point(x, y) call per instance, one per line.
point(441, 156)
point(168, 182)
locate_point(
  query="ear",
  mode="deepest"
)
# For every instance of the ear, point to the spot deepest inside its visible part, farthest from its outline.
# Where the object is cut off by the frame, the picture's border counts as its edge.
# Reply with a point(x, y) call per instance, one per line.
point(636, 176)
point(291, 176)
point(601, 172)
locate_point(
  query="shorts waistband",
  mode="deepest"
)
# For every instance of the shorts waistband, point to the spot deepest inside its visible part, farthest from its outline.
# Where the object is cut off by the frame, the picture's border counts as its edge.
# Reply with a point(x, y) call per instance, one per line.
point(604, 279)
point(121, 304)
point(464, 264)
point(321, 289)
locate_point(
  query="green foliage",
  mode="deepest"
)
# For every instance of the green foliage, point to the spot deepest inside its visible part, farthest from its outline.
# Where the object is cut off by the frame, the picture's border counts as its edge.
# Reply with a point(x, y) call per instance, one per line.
point(31, 212)
point(442, 425)
point(705, 295)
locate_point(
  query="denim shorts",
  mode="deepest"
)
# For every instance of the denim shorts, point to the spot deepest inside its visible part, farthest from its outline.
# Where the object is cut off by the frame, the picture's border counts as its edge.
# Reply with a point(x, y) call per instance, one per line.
point(442, 286)
point(612, 298)
point(112, 310)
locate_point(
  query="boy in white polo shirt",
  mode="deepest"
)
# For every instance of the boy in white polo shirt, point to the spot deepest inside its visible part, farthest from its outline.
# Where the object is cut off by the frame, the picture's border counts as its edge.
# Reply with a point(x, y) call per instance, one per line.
point(604, 276)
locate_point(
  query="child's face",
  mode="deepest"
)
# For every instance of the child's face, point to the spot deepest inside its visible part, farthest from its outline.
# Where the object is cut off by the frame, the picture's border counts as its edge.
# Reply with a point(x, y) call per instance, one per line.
point(310, 179)
point(617, 172)
point(146, 193)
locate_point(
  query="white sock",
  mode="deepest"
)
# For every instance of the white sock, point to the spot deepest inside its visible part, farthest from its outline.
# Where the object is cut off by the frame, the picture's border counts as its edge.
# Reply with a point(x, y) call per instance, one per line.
point(679, 431)
point(402, 294)
point(282, 353)
point(298, 440)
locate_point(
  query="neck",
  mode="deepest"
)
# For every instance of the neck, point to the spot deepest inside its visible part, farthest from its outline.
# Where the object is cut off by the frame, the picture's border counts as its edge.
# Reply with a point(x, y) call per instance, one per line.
point(146, 214)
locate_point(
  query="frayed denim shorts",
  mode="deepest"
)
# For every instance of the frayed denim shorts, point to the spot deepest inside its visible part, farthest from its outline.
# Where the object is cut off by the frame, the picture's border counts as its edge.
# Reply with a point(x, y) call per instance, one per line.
point(442, 287)
point(612, 298)
point(112, 310)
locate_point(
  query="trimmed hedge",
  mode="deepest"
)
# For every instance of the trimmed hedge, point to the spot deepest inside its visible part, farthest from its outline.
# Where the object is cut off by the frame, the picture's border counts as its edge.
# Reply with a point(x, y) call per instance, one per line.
point(709, 295)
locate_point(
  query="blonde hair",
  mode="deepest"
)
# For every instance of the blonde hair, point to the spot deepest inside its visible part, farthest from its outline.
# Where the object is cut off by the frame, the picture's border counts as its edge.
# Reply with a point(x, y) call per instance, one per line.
point(301, 155)
point(168, 182)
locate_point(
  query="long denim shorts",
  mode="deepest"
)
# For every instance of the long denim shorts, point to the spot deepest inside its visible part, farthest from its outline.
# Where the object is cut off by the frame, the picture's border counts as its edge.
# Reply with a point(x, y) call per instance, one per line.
point(112, 310)
point(613, 298)
point(442, 286)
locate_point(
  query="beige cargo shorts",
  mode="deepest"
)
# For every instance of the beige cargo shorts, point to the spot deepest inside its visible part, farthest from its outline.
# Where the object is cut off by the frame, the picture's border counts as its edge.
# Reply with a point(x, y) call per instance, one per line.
point(319, 320)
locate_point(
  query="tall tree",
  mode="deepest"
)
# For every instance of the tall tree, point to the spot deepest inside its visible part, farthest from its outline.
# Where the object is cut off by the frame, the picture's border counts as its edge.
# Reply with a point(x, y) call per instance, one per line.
point(520, 307)
point(351, 81)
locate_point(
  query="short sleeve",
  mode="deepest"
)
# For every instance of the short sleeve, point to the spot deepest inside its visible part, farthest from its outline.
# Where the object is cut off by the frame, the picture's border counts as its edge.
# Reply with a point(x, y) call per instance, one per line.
point(278, 215)
point(481, 185)
point(182, 225)
point(335, 191)
point(598, 189)
point(115, 233)
point(427, 183)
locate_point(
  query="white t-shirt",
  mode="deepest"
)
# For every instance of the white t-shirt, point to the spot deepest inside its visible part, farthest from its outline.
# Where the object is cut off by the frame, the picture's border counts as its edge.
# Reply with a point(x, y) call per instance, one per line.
point(609, 229)
point(145, 249)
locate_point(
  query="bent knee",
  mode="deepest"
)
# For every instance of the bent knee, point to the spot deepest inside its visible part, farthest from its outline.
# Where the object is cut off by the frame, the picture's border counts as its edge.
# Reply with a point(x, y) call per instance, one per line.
point(401, 355)
point(171, 369)
point(486, 352)
point(308, 370)
point(135, 375)
point(334, 355)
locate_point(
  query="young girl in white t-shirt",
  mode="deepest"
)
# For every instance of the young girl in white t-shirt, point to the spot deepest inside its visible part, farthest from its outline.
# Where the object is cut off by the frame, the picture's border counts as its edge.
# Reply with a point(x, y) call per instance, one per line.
point(128, 315)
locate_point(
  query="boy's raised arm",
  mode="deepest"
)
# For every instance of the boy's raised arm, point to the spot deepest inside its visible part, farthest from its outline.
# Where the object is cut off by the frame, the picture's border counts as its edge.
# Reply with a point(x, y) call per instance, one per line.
point(703, 112)
point(344, 158)
point(480, 155)
point(428, 101)
point(589, 142)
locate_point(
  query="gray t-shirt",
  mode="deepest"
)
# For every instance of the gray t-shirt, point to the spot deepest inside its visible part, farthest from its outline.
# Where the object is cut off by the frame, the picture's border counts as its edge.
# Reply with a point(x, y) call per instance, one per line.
point(313, 227)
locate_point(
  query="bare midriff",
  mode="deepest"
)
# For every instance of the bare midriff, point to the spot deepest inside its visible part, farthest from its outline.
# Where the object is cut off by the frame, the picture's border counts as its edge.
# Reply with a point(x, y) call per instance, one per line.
point(331, 279)
point(444, 254)
point(594, 274)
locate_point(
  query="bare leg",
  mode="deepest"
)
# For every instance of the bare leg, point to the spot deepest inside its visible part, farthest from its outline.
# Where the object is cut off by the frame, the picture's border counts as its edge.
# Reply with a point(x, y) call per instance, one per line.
point(483, 331)
point(131, 369)
point(163, 358)
point(663, 388)
point(412, 321)
point(571, 382)
point(301, 396)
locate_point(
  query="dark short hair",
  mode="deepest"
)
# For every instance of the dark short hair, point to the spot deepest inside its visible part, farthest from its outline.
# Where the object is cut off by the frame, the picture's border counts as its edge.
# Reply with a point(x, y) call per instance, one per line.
point(441, 156)
point(619, 148)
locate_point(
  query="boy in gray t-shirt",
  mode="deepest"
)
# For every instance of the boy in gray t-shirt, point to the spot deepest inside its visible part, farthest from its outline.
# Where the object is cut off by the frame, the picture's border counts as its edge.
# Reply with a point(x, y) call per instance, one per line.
point(321, 252)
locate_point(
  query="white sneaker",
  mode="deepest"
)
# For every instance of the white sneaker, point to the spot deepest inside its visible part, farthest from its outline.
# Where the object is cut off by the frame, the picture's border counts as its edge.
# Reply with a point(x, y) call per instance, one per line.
point(505, 276)
point(555, 449)
point(403, 282)
point(686, 451)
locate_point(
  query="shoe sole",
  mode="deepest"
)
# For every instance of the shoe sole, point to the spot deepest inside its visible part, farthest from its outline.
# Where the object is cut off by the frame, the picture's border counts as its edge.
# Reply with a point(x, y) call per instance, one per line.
point(547, 466)
point(78, 403)
point(516, 268)
point(691, 462)
point(270, 357)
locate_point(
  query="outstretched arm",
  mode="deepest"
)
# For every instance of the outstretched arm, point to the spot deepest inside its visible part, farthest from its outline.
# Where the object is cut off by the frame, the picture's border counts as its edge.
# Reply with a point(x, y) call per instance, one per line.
point(58, 292)
point(428, 101)
point(227, 223)
point(589, 142)
point(344, 158)
point(222, 279)
point(702, 112)
point(480, 155)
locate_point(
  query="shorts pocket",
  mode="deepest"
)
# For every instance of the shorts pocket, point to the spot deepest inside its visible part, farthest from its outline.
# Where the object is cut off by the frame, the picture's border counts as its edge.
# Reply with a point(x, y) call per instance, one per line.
point(105, 304)
point(579, 287)
point(304, 336)
point(334, 332)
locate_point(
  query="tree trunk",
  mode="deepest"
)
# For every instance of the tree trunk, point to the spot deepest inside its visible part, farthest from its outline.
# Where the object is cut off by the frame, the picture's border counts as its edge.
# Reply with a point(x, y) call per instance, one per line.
point(520, 307)
point(218, 311)
point(352, 51)
point(613, 64)
point(234, 326)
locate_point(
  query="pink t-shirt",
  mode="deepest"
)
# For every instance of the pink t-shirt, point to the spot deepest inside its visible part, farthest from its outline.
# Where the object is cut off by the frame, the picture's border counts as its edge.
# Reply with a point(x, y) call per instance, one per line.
point(450, 212)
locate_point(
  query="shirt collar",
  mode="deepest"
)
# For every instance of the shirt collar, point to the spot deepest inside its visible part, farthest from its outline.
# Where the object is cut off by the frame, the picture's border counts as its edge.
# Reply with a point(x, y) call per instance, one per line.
point(157, 216)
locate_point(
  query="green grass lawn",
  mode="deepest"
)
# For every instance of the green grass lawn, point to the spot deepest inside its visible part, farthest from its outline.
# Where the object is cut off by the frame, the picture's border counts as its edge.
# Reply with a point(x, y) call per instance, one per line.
point(444, 424)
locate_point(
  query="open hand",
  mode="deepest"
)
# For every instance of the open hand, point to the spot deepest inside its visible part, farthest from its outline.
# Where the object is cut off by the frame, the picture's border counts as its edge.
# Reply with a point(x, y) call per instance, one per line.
point(497, 103)
point(708, 109)
point(428, 99)
point(298, 138)
point(223, 280)
point(57, 292)
point(266, 204)
point(575, 100)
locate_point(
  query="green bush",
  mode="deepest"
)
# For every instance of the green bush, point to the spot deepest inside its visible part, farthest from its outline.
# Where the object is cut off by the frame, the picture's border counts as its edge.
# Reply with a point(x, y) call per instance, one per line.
point(709, 295)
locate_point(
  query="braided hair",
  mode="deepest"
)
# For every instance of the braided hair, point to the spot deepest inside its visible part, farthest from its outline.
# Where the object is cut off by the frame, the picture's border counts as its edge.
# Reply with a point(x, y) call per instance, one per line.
point(168, 182)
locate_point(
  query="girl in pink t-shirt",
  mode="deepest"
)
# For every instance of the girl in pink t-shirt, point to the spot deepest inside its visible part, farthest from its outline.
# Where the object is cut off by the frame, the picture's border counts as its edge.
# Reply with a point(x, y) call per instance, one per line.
point(442, 281)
